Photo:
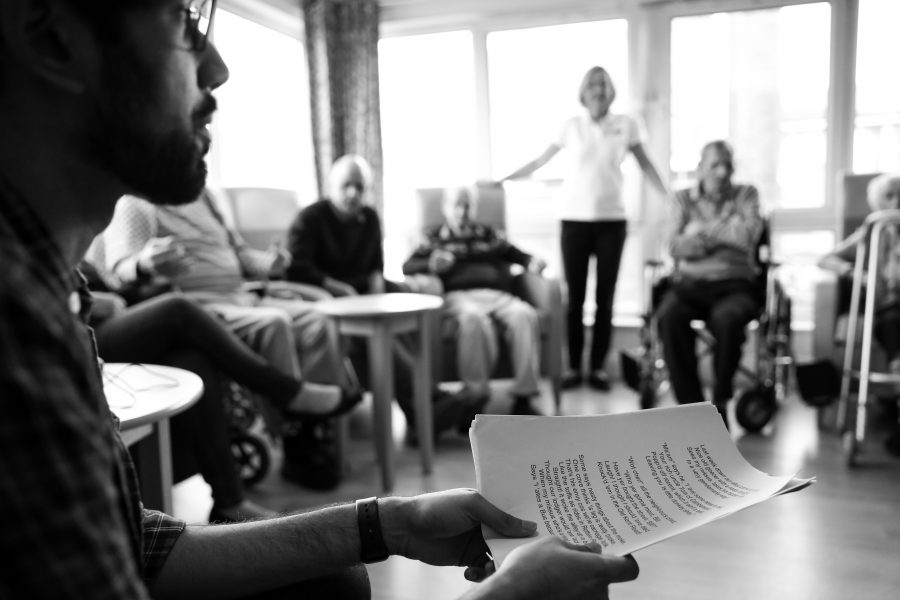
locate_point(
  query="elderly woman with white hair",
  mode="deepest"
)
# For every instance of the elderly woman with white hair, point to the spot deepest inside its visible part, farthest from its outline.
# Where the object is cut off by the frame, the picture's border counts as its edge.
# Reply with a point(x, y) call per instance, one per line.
point(593, 213)
point(883, 193)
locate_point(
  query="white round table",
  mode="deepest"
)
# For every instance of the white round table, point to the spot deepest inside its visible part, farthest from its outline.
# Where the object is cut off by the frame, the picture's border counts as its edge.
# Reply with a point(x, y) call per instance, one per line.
point(379, 318)
point(144, 397)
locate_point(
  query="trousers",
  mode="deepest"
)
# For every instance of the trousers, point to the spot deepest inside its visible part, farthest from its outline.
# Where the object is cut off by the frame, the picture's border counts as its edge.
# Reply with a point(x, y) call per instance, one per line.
point(605, 240)
point(479, 314)
point(726, 306)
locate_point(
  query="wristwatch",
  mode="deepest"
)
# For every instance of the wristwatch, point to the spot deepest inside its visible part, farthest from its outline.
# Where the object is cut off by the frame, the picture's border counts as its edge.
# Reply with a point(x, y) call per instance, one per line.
point(371, 541)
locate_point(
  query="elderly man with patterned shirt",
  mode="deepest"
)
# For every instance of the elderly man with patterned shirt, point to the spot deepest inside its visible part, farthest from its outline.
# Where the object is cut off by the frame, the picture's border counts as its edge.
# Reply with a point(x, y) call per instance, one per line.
point(473, 262)
point(716, 229)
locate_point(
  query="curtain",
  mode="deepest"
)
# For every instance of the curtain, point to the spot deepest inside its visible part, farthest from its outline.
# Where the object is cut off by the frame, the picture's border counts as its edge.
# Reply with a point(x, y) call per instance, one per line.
point(342, 50)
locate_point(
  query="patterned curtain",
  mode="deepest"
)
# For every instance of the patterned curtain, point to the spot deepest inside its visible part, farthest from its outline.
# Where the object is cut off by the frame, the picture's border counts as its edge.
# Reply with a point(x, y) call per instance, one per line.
point(342, 50)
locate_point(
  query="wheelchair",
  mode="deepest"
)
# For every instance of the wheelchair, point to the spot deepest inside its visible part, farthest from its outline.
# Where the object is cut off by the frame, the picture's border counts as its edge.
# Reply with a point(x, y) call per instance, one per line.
point(251, 453)
point(770, 336)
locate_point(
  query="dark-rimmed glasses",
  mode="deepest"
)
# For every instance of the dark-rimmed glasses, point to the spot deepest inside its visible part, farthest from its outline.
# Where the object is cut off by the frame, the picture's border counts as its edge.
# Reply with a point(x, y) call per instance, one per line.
point(199, 15)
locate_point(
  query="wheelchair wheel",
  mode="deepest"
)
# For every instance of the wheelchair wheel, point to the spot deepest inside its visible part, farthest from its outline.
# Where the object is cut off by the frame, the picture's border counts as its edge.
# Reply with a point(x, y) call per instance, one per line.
point(251, 457)
point(240, 407)
point(755, 408)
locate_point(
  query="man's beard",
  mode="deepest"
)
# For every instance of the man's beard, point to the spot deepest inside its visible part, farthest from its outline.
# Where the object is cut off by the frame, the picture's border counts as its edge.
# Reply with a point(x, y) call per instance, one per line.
point(163, 166)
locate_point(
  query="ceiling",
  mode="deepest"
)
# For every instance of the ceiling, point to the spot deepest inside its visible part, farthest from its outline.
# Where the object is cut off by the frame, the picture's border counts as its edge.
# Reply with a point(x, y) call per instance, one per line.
point(402, 16)
point(394, 10)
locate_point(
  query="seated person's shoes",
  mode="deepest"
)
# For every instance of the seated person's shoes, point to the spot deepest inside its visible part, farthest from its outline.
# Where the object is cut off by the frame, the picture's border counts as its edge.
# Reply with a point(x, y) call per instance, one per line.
point(322, 401)
point(474, 405)
point(311, 455)
point(446, 411)
point(571, 379)
point(599, 380)
point(522, 406)
point(892, 443)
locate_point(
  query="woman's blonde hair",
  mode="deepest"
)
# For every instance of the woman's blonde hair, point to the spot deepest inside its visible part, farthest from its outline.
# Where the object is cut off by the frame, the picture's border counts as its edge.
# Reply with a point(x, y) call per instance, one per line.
point(585, 81)
point(878, 188)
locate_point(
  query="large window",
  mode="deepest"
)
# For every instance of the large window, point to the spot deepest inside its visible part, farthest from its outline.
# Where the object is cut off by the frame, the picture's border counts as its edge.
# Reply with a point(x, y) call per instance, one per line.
point(876, 143)
point(534, 76)
point(760, 80)
point(428, 127)
point(262, 129)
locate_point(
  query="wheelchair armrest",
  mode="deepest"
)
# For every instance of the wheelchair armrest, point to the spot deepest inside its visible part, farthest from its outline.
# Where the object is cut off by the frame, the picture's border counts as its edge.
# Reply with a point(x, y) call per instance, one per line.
point(826, 290)
point(288, 290)
point(541, 292)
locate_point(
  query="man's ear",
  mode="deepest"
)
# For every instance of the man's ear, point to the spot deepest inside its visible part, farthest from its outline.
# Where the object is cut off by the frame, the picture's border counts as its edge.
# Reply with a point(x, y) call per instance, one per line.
point(40, 35)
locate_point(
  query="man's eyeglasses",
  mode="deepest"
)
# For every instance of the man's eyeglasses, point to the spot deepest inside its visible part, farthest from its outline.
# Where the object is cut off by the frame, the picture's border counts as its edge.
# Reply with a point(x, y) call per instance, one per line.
point(199, 15)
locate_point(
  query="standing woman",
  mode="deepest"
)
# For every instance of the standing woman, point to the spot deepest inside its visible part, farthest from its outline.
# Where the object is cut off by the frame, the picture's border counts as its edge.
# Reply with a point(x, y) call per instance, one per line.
point(593, 213)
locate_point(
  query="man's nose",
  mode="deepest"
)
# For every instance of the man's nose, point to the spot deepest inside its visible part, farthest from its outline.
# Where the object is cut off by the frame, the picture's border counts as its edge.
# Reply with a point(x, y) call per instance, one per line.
point(212, 71)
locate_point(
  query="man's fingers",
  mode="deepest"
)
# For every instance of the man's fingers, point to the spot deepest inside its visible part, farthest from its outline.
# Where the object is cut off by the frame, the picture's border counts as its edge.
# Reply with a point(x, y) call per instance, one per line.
point(163, 242)
point(621, 568)
point(500, 521)
point(480, 573)
point(618, 568)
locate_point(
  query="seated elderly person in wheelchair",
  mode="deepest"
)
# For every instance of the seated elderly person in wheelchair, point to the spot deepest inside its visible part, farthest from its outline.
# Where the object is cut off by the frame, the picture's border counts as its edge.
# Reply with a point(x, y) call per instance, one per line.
point(717, 226)
point(473, 262)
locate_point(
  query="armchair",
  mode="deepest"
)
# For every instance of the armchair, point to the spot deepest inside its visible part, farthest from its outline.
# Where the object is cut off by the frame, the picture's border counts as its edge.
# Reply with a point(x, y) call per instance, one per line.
point(262, 216)
point(544, 293)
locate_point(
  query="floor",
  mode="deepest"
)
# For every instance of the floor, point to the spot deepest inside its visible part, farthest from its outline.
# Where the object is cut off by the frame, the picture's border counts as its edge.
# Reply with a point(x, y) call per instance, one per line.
point(838, 539)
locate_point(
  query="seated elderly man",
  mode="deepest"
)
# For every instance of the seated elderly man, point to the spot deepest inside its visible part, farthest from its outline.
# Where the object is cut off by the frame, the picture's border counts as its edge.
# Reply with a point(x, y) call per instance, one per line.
point(473, 262)
point(716, 228)
point(335, 243)
point(191, 247)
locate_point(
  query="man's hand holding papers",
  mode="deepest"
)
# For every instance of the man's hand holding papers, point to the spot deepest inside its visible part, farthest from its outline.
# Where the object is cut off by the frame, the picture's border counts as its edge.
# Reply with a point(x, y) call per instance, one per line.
point(625, 481)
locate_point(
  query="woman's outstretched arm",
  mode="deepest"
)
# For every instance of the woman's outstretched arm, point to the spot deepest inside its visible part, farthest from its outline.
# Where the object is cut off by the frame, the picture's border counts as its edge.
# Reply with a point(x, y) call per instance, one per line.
point(649, 169)
point(535, 164)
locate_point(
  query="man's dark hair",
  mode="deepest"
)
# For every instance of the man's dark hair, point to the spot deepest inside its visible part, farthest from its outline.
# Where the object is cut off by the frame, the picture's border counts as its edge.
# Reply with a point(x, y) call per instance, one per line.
point(103, 16)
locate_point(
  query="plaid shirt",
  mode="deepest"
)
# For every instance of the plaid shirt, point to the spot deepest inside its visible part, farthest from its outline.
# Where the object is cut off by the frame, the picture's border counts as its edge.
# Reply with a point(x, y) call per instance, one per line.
point(71, 520)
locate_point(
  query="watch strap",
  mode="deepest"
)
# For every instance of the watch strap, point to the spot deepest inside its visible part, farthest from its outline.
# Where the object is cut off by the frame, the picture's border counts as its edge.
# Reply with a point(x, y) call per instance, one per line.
point(371, 540)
